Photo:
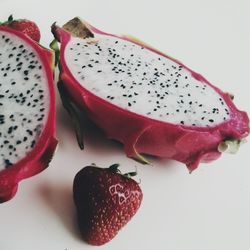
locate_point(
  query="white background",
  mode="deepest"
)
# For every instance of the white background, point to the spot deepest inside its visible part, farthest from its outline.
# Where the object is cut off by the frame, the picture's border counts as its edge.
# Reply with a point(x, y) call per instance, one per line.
point(209, 209)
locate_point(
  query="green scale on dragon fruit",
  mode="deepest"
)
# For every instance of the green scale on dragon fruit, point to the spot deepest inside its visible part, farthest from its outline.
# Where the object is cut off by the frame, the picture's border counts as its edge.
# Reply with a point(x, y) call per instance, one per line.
point(145, 99)
point(26, 109)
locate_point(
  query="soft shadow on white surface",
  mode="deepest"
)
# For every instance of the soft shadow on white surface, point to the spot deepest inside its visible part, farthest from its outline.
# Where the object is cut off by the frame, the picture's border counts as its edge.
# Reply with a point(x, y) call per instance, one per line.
point(59, 199)
point(208, 209)
point(96, 141)
point(93, 138)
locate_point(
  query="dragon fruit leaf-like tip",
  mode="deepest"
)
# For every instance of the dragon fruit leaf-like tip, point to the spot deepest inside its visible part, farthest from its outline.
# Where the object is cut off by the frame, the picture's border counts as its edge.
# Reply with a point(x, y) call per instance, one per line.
point(231, 146)
point(78, 28)
point(198, 109)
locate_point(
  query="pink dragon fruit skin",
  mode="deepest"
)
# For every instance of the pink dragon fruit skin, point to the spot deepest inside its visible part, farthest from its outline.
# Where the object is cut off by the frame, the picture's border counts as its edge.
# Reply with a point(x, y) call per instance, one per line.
point(38, 158)
point(143, 135)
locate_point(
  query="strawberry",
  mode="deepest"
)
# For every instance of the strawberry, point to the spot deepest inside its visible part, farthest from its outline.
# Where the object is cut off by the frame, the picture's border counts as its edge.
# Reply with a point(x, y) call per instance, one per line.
point(28, 27)
point(105, 200)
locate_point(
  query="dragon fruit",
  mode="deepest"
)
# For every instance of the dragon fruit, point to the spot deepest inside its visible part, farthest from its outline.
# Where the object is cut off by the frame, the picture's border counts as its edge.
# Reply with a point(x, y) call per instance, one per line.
point(27, 109)
point(148, 101)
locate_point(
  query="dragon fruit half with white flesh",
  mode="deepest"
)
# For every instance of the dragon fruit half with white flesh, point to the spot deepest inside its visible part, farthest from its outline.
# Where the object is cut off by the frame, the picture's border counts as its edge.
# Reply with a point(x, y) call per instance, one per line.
point(143, 98)
point(27, 109)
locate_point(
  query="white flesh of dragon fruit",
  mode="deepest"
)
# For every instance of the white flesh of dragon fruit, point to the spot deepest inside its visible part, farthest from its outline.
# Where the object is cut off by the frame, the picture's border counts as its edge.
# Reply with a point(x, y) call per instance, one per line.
point(24, 99)
point(139, 80)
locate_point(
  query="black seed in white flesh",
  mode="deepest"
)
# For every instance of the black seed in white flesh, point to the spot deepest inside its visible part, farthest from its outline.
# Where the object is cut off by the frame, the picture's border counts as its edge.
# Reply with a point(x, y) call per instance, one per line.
point(24, 99)
point(136, 79)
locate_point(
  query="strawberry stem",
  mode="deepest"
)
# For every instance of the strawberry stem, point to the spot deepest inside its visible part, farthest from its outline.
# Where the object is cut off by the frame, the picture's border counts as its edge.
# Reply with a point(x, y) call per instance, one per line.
point(130, 174)
point(10, 19)
point(114, 168)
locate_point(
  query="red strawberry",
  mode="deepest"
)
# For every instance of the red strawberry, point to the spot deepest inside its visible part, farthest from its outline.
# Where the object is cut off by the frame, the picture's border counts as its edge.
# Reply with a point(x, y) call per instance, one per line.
point(105, 200)
point(28, 27)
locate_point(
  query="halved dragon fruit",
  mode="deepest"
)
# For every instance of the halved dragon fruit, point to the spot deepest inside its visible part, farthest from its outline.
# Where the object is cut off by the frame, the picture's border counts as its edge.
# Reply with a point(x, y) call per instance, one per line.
point(145, 99)
point(27, 109)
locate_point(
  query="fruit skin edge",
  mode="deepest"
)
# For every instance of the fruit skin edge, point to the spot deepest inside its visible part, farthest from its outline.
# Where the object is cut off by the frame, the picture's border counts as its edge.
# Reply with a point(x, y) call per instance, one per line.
point(39, 158)
point(142, 135)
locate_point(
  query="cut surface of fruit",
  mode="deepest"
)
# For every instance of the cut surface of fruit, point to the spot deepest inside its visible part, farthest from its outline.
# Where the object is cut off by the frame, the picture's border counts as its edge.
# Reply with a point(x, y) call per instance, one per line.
point(24, 99)
point(141, 81)
point(143, 98)
point(27, 108)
